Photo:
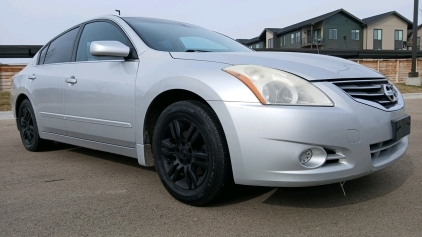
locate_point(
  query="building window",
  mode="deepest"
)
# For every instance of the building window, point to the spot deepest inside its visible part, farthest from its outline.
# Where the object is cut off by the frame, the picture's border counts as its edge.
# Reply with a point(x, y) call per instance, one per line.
point(282, 39)
point(270, 43)
point(377, 34)
point(332, 34)
point(317, 34)
point(257, 46)
point(292, 39)
point(355, 34)
point(297, 37)
point(398, 35)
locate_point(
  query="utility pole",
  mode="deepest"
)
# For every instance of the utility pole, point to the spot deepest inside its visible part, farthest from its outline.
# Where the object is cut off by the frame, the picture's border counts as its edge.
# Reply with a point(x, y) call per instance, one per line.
point(118, 11)
point(413, 75)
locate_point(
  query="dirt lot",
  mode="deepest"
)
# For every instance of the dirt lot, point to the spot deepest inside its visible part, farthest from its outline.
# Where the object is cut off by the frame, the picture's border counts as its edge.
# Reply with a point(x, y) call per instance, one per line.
point(71, 191)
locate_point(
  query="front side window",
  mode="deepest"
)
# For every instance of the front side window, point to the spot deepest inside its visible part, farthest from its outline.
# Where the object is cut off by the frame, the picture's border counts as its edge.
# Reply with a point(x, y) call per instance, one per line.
point(398, 35)
point(355, 34)
point(292, 39)
point(377, 34)
point(60, 49)
point(297, 37)
point(100, 31)
point(332, 34)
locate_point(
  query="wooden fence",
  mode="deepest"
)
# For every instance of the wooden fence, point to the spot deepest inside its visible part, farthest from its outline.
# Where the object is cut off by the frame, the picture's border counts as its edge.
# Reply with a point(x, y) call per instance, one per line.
point(396, 70)
point(6, 73)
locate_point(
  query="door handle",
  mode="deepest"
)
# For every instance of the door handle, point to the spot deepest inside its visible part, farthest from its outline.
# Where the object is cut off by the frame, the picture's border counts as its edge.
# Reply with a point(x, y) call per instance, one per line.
point(32, 77)
point(72, 80)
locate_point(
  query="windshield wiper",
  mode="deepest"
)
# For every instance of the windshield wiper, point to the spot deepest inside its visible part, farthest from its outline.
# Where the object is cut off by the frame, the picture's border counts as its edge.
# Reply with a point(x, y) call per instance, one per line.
point(196, 50)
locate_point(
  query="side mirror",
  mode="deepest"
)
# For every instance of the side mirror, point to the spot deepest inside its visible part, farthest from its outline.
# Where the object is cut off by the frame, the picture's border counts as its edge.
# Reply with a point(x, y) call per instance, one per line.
point(109, 48)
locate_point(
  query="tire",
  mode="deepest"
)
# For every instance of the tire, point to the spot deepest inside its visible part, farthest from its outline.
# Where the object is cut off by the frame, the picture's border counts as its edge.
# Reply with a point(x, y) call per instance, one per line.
point(28, 128)
point(191, 153)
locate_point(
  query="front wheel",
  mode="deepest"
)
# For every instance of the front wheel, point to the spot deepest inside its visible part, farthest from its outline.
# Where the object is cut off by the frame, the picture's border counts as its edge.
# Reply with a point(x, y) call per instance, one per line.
point(191, 154)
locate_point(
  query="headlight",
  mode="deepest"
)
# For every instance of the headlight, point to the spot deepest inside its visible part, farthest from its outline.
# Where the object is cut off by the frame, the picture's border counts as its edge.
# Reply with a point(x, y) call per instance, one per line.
point(273, 86)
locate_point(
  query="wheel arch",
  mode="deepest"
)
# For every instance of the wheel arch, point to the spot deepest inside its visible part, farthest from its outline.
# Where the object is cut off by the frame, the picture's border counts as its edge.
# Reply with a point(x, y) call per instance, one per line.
point(157, 106)
point(21, 97)
point(162, 101)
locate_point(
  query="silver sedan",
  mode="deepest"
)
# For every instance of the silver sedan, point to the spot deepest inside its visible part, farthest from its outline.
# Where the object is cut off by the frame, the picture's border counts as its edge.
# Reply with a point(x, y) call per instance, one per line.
point(207, 111)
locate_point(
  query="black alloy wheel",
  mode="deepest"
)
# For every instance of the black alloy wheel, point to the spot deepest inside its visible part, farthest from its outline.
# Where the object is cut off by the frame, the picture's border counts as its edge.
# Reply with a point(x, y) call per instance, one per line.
point(185, 155)
point(191, 154)
point(27, 125)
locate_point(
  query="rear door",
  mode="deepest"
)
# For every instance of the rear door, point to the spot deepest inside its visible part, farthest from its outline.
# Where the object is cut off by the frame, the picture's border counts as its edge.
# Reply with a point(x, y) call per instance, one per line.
point(99, 95)
point(46, 80)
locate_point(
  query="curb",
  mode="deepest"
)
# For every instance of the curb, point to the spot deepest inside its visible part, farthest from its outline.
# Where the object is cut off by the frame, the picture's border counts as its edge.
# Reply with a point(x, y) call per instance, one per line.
point(6, 115)
point(409, 96)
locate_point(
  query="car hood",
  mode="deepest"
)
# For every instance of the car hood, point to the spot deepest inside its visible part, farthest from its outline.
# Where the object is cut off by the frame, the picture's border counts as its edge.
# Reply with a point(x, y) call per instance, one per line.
point(309, 66)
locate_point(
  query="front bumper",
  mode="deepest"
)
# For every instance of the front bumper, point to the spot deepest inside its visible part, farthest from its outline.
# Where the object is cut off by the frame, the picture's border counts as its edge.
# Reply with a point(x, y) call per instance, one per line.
point(265, 142)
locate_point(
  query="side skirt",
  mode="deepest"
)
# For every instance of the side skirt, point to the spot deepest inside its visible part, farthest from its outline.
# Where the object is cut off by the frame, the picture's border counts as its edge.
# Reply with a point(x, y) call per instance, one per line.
point(120, 150)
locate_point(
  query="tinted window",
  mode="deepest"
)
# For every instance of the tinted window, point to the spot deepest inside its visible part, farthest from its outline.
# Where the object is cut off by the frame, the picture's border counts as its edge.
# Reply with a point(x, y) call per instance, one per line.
point(42, 55)
point(60, 50)
point(100, 31)
point(174, 36)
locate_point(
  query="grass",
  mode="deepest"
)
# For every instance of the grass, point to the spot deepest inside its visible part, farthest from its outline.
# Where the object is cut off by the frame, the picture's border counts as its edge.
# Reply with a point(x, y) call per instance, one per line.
point(404, 89)
point(5, 101)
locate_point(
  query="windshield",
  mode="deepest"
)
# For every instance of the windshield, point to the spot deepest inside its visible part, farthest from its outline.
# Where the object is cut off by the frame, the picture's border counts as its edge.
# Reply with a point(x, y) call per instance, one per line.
point(171, 36)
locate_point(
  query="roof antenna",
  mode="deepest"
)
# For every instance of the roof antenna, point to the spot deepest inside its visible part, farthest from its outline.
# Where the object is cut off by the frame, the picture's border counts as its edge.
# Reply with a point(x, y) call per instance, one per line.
point(118, 11)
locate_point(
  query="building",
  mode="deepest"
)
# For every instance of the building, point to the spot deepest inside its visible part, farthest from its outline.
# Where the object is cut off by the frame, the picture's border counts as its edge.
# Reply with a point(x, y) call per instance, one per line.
point(335, 30)
point(386, 31)
point(409, 43)
point(338, 29)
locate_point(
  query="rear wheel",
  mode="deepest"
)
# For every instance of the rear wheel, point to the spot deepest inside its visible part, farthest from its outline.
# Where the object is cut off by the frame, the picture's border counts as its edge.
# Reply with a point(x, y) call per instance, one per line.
point(191, 154)
point(28, 128)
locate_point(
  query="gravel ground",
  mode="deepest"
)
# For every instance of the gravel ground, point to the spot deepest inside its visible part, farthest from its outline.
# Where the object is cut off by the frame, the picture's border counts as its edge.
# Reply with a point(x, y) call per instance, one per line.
point(71, 191)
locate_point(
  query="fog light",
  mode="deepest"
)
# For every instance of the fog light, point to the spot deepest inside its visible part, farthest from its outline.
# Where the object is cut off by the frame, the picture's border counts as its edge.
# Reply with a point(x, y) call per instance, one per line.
point(313, 157)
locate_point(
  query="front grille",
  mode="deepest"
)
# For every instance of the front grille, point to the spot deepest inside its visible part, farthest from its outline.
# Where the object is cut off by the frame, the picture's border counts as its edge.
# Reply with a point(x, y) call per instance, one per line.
point(382, 150)
point(371, 90)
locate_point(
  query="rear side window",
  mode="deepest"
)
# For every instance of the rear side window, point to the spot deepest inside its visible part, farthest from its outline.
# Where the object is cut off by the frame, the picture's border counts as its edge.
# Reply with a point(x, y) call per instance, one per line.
point(42, 55)
point(60, 50)
point(100, 31)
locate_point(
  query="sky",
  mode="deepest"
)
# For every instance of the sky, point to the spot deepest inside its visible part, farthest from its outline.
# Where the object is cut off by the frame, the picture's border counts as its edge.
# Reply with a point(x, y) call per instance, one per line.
point(35, 22)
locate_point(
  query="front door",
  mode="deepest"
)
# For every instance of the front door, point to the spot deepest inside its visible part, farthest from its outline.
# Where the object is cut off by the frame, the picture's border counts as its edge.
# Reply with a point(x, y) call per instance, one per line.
point(99, 94)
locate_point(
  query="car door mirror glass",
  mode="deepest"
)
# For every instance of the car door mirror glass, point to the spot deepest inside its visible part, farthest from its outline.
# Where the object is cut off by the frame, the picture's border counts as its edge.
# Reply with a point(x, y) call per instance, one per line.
point(108, 48)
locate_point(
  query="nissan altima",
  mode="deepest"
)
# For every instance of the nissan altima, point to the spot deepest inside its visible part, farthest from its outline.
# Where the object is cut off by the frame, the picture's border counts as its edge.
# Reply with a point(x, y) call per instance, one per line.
point(207, 111)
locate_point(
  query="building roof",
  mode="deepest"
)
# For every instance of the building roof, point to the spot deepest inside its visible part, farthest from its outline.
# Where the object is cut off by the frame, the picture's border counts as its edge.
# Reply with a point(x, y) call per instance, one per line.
point(248, 41)
point(373, 19)
point(18, 51)
point(315, 20)
point(274, 30)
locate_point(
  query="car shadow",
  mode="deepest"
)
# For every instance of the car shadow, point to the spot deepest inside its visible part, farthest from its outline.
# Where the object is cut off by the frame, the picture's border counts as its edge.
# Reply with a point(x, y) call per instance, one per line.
point(359, 190)
point(57, 146)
